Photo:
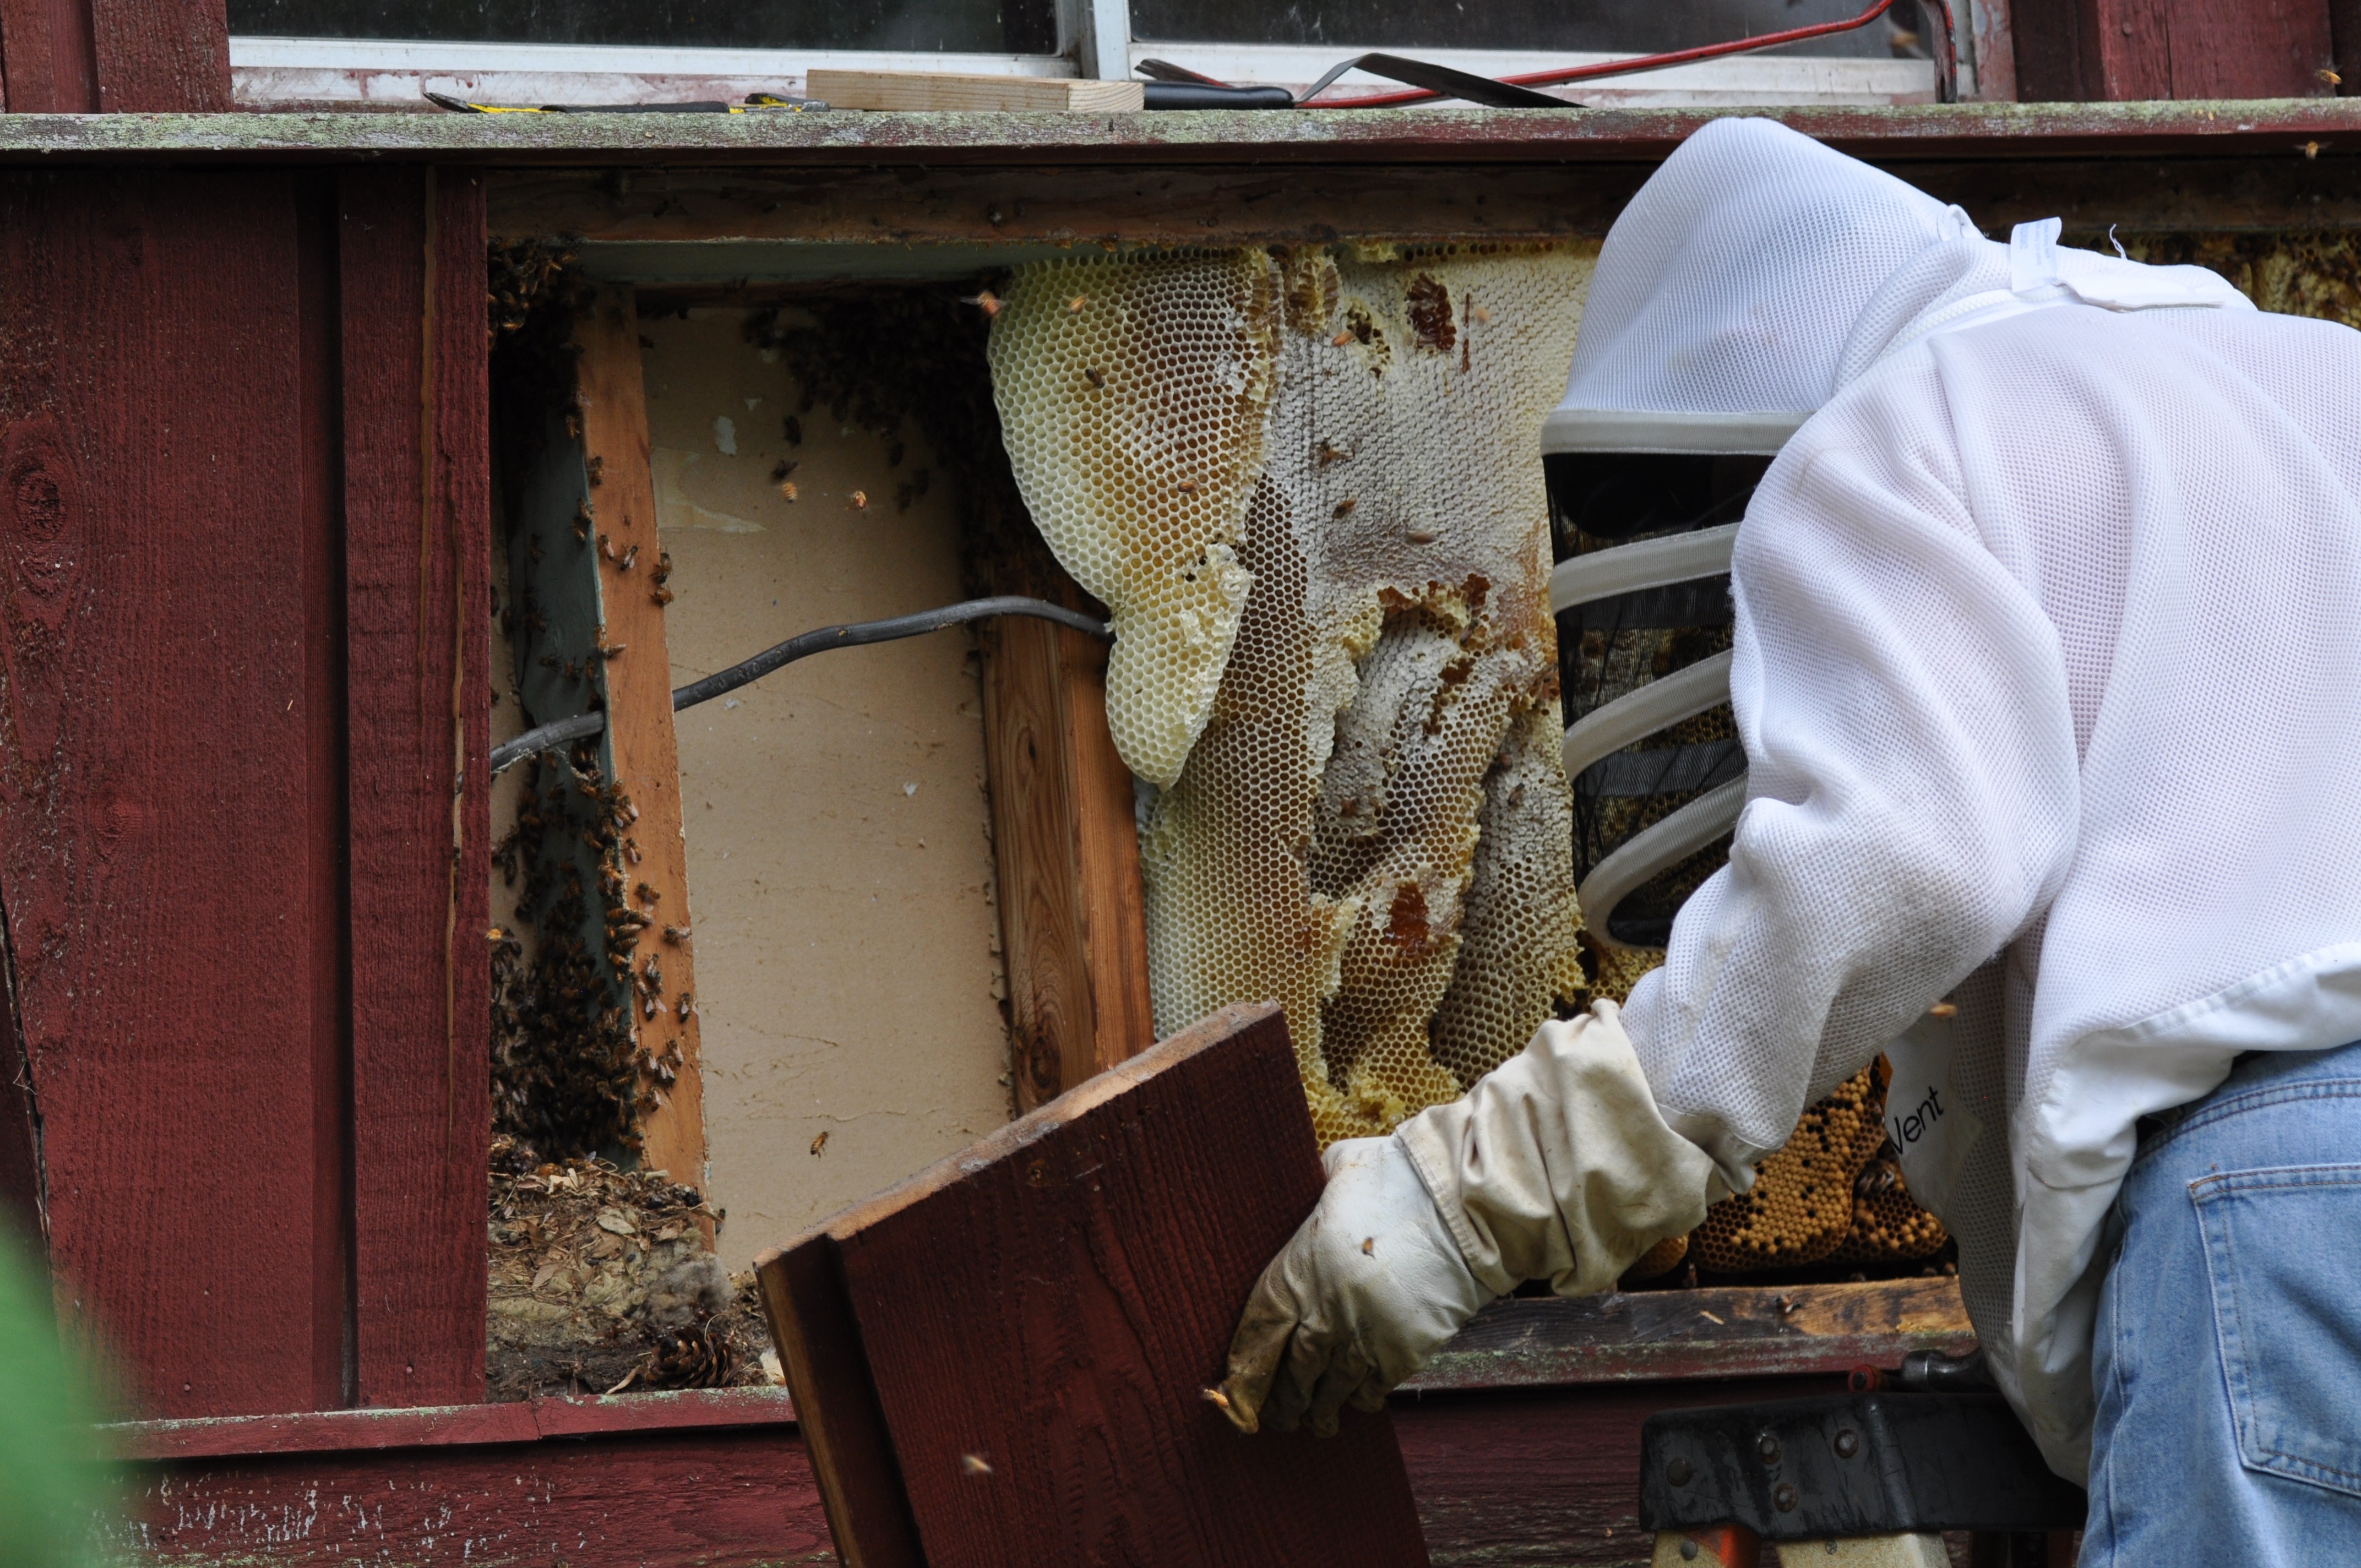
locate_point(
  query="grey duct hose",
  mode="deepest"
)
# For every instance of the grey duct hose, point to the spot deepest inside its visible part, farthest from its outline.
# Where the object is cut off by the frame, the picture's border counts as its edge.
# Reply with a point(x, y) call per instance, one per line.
point(567, 730)
point(1626, 568)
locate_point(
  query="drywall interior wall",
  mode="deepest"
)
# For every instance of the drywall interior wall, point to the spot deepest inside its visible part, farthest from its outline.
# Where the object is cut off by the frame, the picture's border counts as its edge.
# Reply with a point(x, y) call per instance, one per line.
point(840, 870)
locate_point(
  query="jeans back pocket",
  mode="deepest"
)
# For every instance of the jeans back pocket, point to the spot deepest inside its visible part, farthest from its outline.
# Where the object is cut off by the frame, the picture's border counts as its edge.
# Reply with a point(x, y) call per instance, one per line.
point(2283, 1253)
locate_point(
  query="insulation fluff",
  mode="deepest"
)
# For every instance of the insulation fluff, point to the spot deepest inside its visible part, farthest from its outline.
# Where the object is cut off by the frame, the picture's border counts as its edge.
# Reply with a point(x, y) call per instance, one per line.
point(1372, 824)
point(1133, 397)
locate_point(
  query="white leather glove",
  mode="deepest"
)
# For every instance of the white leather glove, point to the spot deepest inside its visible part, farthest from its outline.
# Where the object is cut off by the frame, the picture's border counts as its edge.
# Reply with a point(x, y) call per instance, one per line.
point(1557, 1166)
point(1371, 1284)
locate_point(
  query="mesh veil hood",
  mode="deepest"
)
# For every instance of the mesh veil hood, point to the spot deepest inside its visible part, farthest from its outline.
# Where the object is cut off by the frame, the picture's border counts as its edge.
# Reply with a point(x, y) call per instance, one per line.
point(1735, 277)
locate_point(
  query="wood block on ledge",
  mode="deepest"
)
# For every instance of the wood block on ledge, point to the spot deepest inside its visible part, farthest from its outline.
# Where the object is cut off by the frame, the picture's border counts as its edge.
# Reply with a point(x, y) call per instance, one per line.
point(1001, 1360)
point(939, 91)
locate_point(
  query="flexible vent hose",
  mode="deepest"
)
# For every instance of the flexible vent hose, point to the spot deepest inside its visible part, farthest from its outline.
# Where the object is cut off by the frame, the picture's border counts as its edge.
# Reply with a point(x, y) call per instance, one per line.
point(1630, 568)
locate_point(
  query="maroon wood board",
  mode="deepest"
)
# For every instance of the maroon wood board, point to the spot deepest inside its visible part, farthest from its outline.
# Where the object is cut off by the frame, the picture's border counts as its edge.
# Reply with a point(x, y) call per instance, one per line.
point(244, 550)
point(1038, 1316)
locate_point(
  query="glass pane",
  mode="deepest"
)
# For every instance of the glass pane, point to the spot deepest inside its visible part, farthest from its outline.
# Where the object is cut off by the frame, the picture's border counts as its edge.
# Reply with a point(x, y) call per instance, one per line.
point(983, 26)
point(1621, 26)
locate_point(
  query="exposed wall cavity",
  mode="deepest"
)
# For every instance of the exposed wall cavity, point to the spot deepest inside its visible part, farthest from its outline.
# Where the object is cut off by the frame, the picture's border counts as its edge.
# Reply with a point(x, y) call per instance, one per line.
point(839, 861)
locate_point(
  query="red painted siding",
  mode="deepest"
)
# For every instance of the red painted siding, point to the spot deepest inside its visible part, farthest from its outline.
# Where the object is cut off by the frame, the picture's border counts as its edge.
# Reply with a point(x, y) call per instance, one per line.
point(417, 555)
point(67, 56)
point(210, 423)
point(2121, 49)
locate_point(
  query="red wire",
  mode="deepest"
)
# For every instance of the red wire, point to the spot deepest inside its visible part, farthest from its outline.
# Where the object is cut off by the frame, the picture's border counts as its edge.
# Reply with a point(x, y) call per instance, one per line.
point(1641, 62)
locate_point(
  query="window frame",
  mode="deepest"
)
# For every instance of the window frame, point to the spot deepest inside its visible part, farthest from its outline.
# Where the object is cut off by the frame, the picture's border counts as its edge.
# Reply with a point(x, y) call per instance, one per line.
point(1093, 36)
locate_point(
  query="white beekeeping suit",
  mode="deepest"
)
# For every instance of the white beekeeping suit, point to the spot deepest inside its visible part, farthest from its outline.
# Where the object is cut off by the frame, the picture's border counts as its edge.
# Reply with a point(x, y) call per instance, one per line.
point(2047, 651)
point(2048, 666)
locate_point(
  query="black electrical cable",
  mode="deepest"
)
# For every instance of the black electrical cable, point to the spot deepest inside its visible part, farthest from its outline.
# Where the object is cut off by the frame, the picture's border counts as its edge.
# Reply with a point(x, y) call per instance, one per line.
point(567, 731)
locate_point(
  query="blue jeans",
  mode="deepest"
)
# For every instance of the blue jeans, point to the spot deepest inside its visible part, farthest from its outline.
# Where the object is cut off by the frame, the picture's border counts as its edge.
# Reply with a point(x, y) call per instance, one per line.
point(2228, 1354)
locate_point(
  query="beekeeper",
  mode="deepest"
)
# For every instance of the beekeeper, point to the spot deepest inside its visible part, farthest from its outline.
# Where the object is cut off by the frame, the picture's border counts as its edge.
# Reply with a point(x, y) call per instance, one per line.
point(2048, 666)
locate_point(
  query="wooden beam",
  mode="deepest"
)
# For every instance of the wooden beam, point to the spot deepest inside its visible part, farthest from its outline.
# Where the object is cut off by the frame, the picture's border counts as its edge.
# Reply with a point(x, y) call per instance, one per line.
point(884, 212)
point(646, 762)
point(417, 563)
point(934, 92)
point(1039, 1314)
point(1647, 1336)
point(1072, 922)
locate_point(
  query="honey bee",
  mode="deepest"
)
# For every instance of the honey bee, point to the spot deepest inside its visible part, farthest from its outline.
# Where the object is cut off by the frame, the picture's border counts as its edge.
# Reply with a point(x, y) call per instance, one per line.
point(1094, 376)
point(1214, 1397)
point(684, 1008)
point(1420, 536)
point(1341, 339)
point(787, 490)
point(1344, 508)
point(631, 558)
point(860, 500)
point(648, 895)
point(1328, 452)
point(969, 1463)
point(614, 652)
point(1943, 1010)
point(1074, 306)
point(1481, 313)
point(780, 474)
point(1187, 487)
point(660, 595)
point(675, 935)
point(596, 468)
point(1368, 1246)
point(985, 301)
point(819, 1143)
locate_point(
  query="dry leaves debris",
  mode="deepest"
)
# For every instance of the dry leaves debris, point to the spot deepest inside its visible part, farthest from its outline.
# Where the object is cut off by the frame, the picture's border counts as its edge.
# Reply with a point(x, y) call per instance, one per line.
point(602, 1278)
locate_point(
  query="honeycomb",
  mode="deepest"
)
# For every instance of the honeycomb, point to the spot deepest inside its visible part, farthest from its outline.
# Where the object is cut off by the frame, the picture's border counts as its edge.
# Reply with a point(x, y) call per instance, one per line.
point(1372, 824)
point(1834, 1194)
point(1800, 1209)
point(1133, 397)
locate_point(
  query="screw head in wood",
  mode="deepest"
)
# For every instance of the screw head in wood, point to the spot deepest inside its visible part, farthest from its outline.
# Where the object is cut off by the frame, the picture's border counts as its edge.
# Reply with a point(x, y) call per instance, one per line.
point(1783, 1497)
point(1848, 1444)
point(1678, 1472)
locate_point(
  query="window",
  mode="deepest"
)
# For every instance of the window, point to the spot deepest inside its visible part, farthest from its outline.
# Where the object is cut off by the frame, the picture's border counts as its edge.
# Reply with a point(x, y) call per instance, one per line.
point(326, 53)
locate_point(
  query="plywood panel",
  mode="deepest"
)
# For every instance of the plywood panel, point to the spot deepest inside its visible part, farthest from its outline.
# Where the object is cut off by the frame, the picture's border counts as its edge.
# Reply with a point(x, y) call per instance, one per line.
point(1041, 1313)
point(835, 814)
point(417, 564)
point(158, 760)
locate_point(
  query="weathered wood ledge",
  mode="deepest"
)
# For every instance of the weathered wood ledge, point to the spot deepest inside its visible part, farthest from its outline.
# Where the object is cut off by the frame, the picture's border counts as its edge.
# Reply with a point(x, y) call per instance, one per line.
point(1527, 1343)
point(2015, 131)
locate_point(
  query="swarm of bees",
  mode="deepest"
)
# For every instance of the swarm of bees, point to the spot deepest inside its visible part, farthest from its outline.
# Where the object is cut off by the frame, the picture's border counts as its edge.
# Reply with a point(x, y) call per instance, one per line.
point(567, 1078)
point(520, 276)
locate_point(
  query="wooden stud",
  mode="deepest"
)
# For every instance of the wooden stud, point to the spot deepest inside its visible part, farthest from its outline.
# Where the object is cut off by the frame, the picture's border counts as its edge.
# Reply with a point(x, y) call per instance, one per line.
point(1072, 924)
point(936, 91)
point(646, 761)
point(1039, 1315)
